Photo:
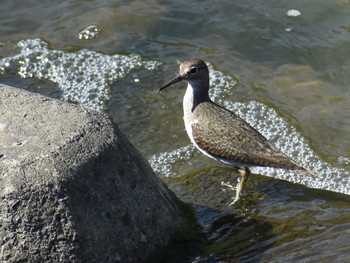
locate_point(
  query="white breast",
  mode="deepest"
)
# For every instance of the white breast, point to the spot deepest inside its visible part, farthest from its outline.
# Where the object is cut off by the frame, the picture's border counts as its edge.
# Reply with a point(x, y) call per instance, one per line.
point(188, 115)
point(190, 120)
point(188, 126)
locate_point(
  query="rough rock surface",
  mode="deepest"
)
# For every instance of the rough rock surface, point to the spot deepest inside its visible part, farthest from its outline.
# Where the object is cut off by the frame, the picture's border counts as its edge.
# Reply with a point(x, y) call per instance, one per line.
point(73, 188)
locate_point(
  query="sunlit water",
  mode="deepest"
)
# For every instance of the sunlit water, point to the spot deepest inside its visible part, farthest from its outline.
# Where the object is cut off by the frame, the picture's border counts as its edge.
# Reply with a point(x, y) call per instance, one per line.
point(282, 67)
point(83, 77)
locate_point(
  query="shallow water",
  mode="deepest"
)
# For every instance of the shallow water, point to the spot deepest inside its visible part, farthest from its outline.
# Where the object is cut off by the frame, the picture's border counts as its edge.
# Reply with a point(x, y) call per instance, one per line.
point(281, 65)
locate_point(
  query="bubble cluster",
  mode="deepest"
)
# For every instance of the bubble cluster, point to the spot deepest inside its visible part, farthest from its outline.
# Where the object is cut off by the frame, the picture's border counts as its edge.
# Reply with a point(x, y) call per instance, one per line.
point(275, 129)
point(90, 32)
point(165, 162)
point(83, 76)
point(293, 12)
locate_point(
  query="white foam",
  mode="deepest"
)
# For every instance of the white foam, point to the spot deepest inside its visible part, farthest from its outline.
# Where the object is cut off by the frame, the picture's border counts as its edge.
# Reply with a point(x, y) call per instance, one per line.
point(90, 32)
point(84, 76)
point(274, 128)
point(2, 126)
point(165, 163)
point(293, 12)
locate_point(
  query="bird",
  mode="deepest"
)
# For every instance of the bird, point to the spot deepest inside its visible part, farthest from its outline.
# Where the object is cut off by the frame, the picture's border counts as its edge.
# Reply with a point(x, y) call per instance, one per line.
point(221, 134)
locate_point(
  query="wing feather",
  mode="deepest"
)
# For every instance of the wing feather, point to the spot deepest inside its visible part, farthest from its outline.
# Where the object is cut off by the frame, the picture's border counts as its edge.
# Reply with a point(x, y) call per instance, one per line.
point(223, 134)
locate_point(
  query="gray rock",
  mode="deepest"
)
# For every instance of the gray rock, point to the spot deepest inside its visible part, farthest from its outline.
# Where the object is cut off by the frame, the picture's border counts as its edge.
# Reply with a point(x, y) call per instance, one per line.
point(73, 188)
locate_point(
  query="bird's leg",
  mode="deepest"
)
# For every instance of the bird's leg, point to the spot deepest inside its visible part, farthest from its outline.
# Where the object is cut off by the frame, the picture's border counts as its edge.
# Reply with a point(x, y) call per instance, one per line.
point(245, 173)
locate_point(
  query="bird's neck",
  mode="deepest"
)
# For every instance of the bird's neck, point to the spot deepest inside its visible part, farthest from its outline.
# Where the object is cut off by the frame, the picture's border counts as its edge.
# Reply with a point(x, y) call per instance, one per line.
point(196, 93)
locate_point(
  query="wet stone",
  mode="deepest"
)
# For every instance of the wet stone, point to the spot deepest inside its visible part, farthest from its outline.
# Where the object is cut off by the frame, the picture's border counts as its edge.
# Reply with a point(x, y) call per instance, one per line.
point(75, 189)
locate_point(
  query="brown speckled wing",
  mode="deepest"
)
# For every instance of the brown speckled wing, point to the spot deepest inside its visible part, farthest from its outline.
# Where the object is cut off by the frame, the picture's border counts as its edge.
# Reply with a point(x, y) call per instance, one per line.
point(222, 134)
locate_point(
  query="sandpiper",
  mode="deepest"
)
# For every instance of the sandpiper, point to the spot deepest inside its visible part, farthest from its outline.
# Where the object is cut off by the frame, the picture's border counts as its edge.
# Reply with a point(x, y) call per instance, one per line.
point(220, 133)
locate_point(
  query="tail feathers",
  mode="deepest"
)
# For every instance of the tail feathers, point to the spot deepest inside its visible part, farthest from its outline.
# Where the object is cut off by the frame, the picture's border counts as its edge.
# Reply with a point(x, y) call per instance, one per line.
point(304, 171)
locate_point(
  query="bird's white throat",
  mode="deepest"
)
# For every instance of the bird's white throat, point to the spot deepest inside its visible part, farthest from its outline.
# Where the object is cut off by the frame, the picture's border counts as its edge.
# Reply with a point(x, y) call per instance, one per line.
point(188, 100)
point(188, 110)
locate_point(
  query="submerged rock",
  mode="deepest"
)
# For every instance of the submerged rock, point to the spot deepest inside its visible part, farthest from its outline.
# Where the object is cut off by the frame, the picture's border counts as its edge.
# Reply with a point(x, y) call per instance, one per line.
point(73, 188)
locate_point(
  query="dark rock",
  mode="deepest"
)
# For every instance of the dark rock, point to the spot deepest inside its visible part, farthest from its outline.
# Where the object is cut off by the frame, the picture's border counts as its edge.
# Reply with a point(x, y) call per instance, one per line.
point(73, 188)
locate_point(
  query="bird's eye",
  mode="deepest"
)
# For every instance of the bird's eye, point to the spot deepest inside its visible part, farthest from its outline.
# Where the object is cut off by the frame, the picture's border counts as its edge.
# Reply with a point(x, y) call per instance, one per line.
point(194, 70)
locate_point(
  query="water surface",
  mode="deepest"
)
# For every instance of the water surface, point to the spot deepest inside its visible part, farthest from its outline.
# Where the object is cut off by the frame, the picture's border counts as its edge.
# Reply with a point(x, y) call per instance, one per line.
point(283, 66)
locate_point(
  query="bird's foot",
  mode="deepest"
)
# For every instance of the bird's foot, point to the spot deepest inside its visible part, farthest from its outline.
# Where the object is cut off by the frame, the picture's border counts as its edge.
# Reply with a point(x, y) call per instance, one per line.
point(228, 185)
point(239, 188)
point(233, 188)
point(241, 182)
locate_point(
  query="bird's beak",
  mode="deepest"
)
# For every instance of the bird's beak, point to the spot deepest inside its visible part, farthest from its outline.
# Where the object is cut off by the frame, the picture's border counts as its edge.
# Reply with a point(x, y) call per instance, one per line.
point(171, 82)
